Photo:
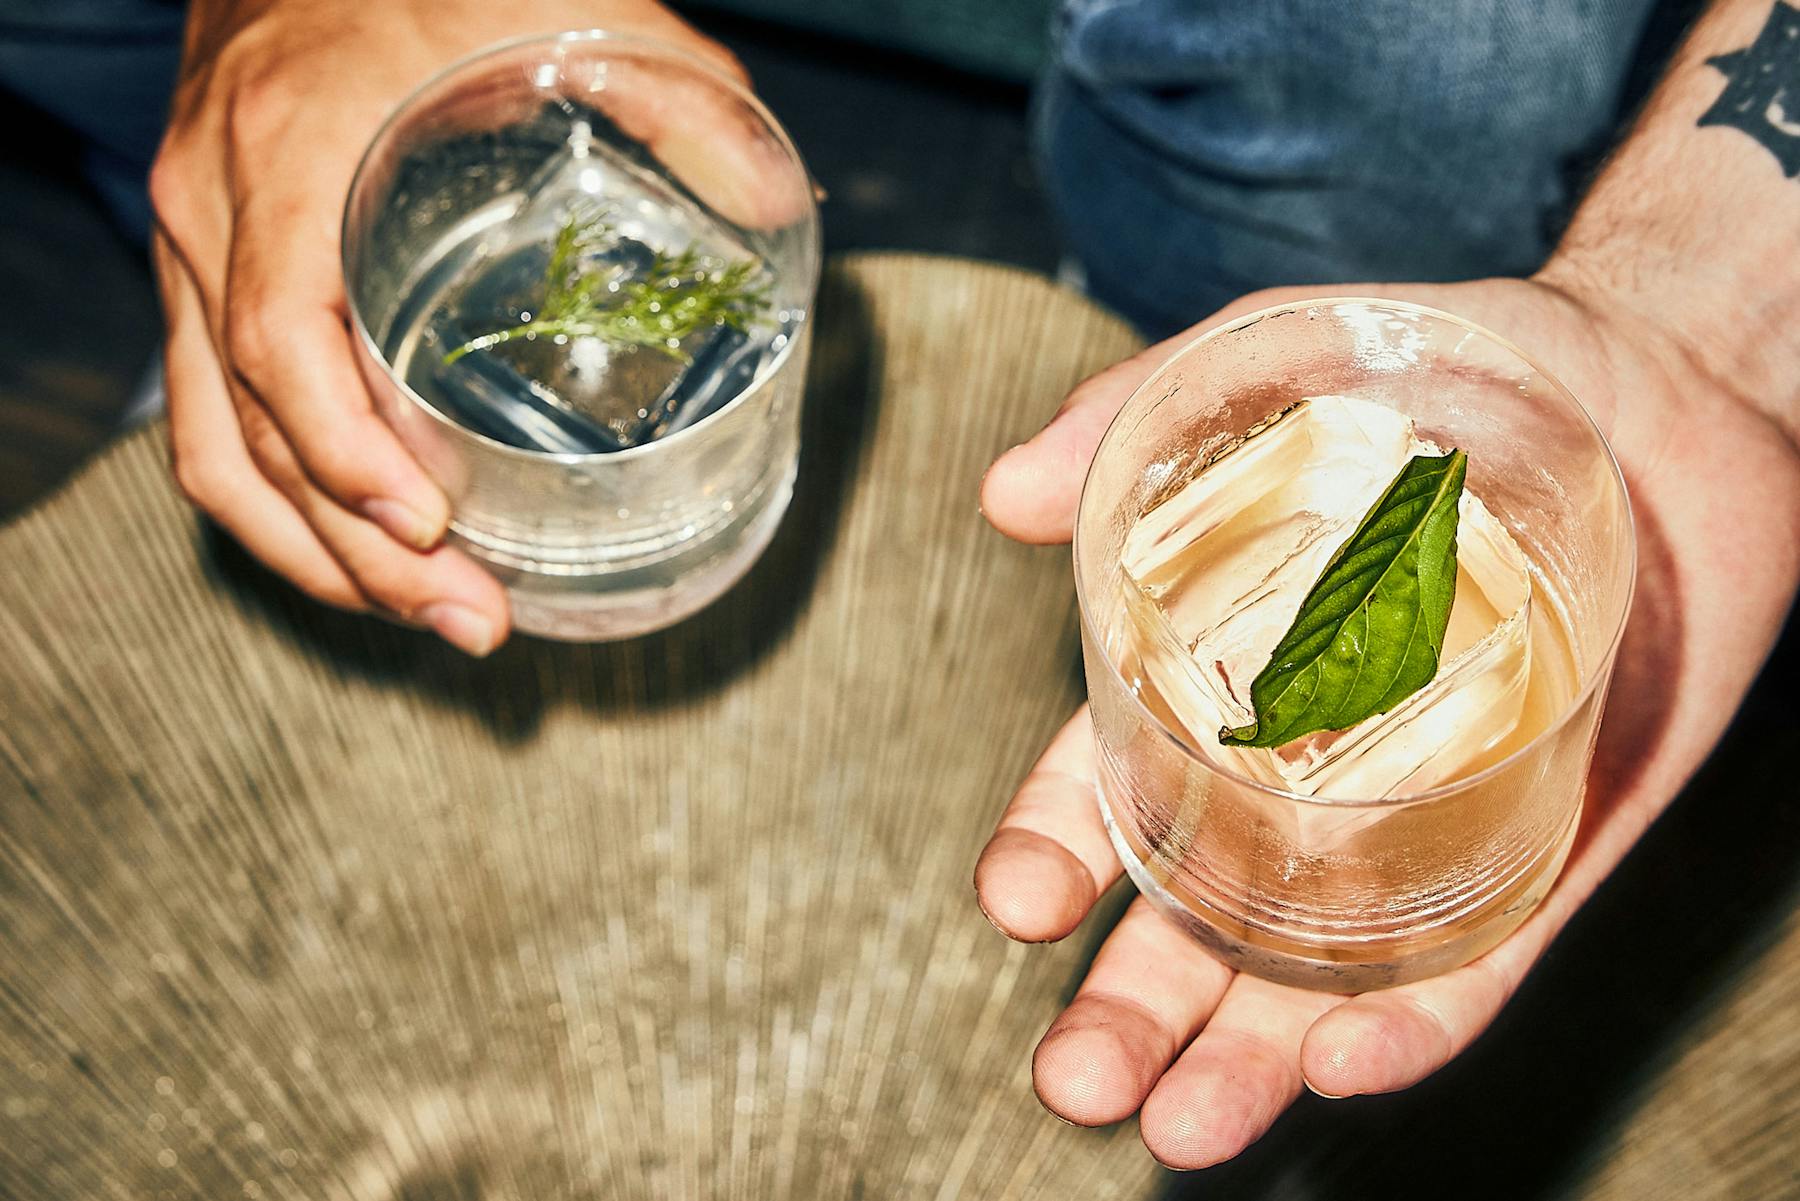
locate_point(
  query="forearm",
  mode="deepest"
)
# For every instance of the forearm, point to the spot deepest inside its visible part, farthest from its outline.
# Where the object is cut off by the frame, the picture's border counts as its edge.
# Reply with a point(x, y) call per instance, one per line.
point(1695, 222)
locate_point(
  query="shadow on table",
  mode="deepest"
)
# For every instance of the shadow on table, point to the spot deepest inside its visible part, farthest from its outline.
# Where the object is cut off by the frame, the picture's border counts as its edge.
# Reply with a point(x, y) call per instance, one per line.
point(1530, 1104)
point(512, 689)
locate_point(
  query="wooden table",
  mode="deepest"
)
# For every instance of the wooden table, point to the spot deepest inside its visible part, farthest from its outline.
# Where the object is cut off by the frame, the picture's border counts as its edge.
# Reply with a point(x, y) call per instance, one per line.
point(299, 905)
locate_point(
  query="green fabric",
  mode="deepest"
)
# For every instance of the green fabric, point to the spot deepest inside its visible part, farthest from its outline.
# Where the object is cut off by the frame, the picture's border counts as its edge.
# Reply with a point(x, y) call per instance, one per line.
point(1004, 38)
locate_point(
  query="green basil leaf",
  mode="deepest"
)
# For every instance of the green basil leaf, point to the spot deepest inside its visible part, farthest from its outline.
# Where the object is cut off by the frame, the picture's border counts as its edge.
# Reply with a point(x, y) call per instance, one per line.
point(1369, 633)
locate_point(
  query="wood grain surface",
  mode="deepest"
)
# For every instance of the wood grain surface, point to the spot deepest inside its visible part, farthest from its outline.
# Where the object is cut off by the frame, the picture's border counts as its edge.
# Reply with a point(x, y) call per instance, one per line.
point(299, 905)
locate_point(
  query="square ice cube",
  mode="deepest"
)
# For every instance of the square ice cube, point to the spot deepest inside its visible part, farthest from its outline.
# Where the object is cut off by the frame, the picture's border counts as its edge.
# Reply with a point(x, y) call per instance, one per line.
point(575, 393)
point(1215, 574)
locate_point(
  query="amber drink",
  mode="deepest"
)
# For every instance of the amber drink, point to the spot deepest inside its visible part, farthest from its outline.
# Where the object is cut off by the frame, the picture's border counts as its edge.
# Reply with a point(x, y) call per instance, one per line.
point(1413, 840)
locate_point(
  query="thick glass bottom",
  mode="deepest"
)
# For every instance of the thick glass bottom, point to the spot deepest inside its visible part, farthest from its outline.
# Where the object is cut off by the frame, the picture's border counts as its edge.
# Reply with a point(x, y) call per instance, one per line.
point(609, 606)
point(1344, 966)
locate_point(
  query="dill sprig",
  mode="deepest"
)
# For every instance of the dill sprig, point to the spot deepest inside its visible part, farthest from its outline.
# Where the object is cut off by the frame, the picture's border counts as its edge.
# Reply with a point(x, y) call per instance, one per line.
point(677, 297)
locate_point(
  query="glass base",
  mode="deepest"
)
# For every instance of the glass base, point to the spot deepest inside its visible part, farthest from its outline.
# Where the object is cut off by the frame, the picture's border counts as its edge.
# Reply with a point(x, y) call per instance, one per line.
point(614, 605)
point(1357, 967)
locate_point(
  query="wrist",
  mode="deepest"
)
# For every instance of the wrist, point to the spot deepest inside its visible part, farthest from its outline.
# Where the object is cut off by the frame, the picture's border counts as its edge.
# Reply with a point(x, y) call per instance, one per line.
point(1726, 326)
point(1690, 233)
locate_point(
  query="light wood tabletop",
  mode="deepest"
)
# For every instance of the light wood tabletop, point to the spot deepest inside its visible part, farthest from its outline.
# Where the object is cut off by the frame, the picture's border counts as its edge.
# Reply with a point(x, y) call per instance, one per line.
point(300, 905)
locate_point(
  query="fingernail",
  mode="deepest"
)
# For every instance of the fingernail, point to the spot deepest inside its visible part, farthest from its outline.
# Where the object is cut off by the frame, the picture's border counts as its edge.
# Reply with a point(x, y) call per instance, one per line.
point(991, 919)
point(401, 521)
point(461, 627)
point(1319, 1092)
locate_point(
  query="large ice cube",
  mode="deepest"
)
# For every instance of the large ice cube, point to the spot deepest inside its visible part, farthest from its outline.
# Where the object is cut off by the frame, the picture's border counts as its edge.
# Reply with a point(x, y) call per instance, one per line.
point(1215, 574)
point(577, 394)
point(612, 396)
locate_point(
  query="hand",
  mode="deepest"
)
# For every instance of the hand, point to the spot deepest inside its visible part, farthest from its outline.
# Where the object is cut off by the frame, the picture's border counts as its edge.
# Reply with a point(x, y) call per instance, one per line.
point(1212, 1057)
point(271, 430)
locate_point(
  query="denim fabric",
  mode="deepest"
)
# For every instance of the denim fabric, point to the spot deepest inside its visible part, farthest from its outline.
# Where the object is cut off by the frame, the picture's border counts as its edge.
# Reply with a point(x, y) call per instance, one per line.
point(1198, 149)
point(103, 69)
point(1194, 149)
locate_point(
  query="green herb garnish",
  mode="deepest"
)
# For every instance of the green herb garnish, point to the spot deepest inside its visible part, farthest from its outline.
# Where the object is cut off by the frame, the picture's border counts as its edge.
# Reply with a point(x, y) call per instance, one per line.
point(677, 297)
point(1369, 633)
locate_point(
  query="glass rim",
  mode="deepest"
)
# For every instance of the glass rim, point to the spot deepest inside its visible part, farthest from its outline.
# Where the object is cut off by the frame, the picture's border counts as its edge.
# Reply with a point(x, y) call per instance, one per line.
point(1593, 678)
point(809, 219)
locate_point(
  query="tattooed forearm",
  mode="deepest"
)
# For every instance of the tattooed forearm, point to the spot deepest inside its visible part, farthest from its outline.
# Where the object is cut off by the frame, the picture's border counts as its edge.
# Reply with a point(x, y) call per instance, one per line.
point(1762, 92)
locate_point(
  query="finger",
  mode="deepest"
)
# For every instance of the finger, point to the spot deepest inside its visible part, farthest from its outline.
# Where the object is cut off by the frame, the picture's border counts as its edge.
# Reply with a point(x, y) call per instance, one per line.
point(1049, 858)
point(1383, 1041)
point(212, 465)
point(705, 125)
point(1151, 987)
point(288, 344)
point(1238, 1076)
point(1031, 492)
point(442, 588)
point(709, 133)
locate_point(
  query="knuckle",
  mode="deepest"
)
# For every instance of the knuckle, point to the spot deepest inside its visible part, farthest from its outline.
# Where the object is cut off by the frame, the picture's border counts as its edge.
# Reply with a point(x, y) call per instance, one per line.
point(339, 471)
point(730, 63)
point(251, 337)
point(336, 452)
point(198, 477)
point(169, 187)
point(260, 107)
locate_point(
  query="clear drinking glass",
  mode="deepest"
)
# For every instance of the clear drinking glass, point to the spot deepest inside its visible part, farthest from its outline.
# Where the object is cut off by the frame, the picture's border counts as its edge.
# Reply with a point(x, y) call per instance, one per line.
point(658, 507)
point(1352, 886)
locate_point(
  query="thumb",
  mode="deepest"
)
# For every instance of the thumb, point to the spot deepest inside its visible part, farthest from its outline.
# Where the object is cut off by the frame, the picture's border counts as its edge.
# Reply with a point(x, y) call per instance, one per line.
point(1031, 492)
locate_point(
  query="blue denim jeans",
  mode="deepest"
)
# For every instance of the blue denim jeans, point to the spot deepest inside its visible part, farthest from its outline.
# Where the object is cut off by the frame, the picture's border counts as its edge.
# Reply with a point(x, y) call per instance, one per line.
point(1199, 149)
point(1194, 150)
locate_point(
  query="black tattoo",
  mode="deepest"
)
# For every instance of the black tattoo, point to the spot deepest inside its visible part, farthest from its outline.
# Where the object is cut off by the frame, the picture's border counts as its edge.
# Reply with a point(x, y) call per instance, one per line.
point(1762, 95)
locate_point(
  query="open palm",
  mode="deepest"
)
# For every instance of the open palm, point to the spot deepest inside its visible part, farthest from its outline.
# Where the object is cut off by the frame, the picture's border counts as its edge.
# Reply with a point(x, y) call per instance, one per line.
point(1212, 1056)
